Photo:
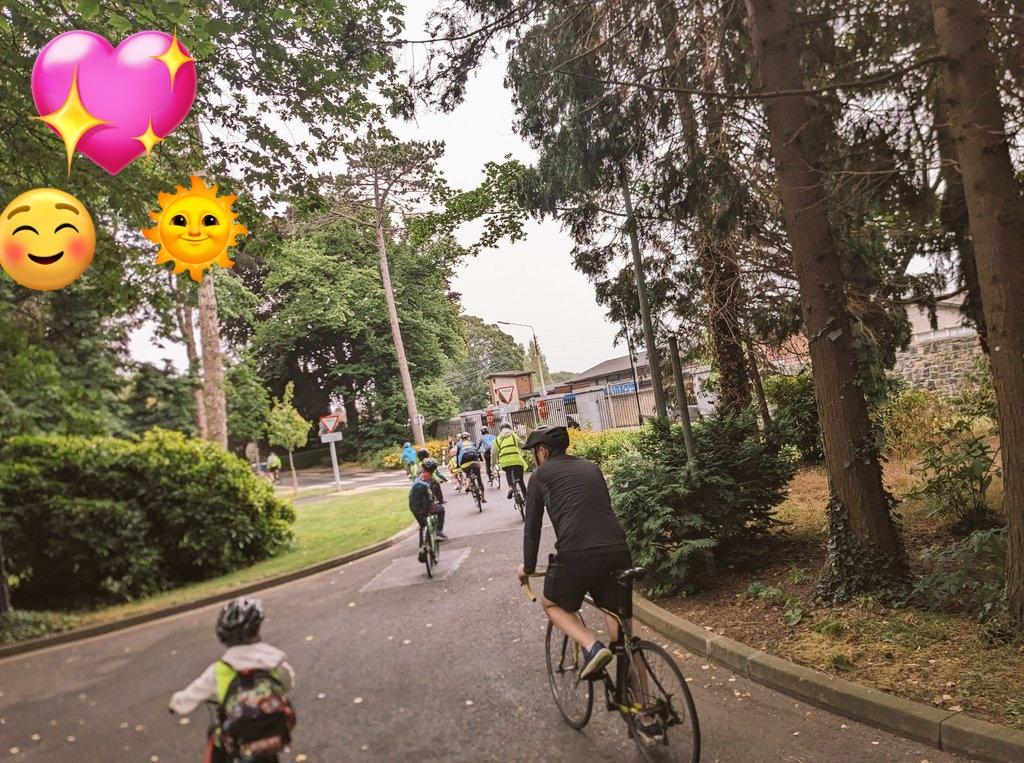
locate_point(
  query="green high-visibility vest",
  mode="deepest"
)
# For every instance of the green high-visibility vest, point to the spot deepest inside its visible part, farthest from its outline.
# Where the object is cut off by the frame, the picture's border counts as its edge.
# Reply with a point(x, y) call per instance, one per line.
point(509, 451)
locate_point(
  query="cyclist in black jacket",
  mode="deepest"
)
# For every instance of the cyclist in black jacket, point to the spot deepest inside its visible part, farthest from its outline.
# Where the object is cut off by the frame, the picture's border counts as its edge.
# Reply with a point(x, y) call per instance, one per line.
point(590, 543)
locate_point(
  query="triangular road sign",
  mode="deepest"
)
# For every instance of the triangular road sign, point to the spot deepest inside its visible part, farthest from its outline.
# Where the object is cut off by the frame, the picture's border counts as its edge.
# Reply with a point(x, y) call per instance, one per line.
point(329, 423)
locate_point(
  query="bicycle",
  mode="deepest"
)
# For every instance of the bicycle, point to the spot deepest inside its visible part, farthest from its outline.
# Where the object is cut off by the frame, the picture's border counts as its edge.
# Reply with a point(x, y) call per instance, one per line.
point(494, 477)
point(647, 682)
point(519, 499)
point(430, 547)
point(475, 486)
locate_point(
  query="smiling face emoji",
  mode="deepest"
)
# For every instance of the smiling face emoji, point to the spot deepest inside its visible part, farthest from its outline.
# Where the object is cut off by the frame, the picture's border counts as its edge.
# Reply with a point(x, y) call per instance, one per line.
point(194, 228)
point(47, 239)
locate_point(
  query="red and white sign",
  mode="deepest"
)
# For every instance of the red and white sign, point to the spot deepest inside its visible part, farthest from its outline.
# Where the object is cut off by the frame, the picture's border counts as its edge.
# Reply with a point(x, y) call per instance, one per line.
point(542, 409)
point(490, 418)
point(505, 394)
point(330, 423)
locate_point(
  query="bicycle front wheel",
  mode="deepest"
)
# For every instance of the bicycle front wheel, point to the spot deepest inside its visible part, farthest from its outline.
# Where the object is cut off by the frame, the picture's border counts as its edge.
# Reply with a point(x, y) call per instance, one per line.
point(658, 686)
point(575, 698)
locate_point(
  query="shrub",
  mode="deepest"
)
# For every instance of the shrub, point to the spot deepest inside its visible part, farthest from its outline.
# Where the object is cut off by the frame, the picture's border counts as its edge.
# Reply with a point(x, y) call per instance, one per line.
point(976, 397)
point(796, 413)
point(956, 472)
point(968, 575)
point(673, 514)
point(601, 447)
point(908, 419)
point(390, 458)
point(88, 520)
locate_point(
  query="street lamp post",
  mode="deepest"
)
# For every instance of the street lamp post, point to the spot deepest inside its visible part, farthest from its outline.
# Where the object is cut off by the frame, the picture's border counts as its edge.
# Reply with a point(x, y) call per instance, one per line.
point(536, 347)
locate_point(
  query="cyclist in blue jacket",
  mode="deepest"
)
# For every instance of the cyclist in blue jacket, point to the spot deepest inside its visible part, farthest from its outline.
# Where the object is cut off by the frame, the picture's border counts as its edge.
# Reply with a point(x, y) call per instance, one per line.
point(468, 459)
point(485, 446)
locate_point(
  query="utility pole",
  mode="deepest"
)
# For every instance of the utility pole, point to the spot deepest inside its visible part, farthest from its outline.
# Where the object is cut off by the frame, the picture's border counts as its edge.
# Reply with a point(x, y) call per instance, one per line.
point(684, 407)
point(536, 351)
point(641, 290)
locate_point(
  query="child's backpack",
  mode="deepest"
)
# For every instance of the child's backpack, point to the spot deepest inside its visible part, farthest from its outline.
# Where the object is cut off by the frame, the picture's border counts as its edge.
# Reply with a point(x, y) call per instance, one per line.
point(256, 716)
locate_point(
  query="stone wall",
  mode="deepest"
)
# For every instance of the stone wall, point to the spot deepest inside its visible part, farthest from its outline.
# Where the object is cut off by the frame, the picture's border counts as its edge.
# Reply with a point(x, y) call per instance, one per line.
point(938, 364)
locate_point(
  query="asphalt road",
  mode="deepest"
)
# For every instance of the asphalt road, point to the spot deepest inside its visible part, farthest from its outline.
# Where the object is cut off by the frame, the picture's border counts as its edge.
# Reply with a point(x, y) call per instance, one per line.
point(393, 666)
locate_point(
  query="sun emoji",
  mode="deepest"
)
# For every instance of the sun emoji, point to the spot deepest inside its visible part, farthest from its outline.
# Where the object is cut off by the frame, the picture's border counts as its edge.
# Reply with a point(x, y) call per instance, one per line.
point(194, 228)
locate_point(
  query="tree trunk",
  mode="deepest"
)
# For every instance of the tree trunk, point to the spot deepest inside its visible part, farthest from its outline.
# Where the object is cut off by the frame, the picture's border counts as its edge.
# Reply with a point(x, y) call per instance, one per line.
point(653, 360)
point(5, 595)
point(213, 365)
point(351, 408)
point(865, 550)
point(716, 254)
point(953, 213)
point(755, 377)
point(295, 477)
point(722, 280)
point(396, 328)
point(188, 333)
point(996, 211)
point(682, 402)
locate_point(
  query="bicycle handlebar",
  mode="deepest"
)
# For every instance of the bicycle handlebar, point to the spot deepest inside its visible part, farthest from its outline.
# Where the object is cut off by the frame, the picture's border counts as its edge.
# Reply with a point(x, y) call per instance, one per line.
point(527, 588)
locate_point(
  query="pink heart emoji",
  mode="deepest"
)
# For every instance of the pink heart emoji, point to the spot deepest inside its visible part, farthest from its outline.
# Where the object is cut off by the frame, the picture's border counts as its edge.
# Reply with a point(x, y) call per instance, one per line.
point(141, 90)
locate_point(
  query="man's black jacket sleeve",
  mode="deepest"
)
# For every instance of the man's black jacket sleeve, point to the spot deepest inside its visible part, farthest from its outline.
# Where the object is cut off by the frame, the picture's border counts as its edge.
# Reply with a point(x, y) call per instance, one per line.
point(534, 522)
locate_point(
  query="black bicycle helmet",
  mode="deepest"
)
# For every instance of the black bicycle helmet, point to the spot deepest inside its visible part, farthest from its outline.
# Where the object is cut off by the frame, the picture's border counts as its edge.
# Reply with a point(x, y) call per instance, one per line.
point(239, 622)
point(430, 464)
point(554, 438)
point(484, 430)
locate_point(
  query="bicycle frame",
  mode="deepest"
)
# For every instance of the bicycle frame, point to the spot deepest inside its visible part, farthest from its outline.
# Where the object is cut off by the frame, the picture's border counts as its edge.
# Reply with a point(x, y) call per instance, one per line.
point(622, 648)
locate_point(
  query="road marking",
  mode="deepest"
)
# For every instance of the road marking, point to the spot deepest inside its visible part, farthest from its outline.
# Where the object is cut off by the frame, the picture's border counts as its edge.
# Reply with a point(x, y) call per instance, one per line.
point(408, 570)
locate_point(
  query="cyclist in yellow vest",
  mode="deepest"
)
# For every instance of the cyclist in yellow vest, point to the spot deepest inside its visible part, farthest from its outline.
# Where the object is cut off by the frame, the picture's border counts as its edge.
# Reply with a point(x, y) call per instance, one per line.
point(509, 450)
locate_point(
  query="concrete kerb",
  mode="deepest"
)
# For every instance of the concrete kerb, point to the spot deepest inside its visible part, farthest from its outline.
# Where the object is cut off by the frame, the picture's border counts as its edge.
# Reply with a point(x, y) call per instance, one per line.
point(88, 631)
point(943, 729)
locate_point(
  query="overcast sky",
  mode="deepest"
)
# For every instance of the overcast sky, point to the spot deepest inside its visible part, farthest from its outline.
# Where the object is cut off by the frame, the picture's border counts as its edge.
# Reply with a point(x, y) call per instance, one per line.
point(532, 281)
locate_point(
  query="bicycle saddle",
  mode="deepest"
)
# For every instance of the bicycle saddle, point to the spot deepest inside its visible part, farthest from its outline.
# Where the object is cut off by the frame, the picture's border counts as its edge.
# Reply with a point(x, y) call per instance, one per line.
point(631, 575)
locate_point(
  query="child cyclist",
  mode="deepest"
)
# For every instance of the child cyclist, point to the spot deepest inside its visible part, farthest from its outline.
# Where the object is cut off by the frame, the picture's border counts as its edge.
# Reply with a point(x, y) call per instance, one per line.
point(456, 471)
point(249, 683)
point(423, 502)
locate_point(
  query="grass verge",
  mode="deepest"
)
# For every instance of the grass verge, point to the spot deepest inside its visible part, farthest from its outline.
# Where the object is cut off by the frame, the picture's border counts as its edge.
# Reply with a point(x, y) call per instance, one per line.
point(323, 530)
point(944, 659)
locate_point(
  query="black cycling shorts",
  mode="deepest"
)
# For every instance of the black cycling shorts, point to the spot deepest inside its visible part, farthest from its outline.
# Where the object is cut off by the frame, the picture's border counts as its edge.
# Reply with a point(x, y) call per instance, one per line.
point(574, 574)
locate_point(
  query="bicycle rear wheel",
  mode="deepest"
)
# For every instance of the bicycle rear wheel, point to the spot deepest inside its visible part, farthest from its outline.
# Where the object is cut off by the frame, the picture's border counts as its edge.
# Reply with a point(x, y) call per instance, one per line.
point(520, 504)
point(575, 698)
point(659, 686)
point(477, 496)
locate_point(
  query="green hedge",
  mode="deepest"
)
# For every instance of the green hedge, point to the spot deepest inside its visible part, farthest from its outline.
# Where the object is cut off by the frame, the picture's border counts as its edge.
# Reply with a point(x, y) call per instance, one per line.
point(674, 514)
point(91, 520)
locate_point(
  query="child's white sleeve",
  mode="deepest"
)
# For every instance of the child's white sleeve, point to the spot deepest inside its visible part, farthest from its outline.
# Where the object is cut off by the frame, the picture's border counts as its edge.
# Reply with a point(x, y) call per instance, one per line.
point(287, 676)
point(192, 696)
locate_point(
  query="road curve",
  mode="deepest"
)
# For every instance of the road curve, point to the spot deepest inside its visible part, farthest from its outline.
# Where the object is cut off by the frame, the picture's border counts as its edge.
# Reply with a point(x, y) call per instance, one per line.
point(392, 666)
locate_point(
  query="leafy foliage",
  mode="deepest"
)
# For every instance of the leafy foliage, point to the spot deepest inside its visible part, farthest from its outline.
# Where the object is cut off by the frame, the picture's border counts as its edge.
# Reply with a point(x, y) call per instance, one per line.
point(968, 575)
point(285, 426)
point(956, 472)
point(908, 419)
point(761, 592)
point(796, 413)
point(601, 447)
point(248, 403)
point(674, 513)
point(159, 397)
point(975, 397)
point(89, 520)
